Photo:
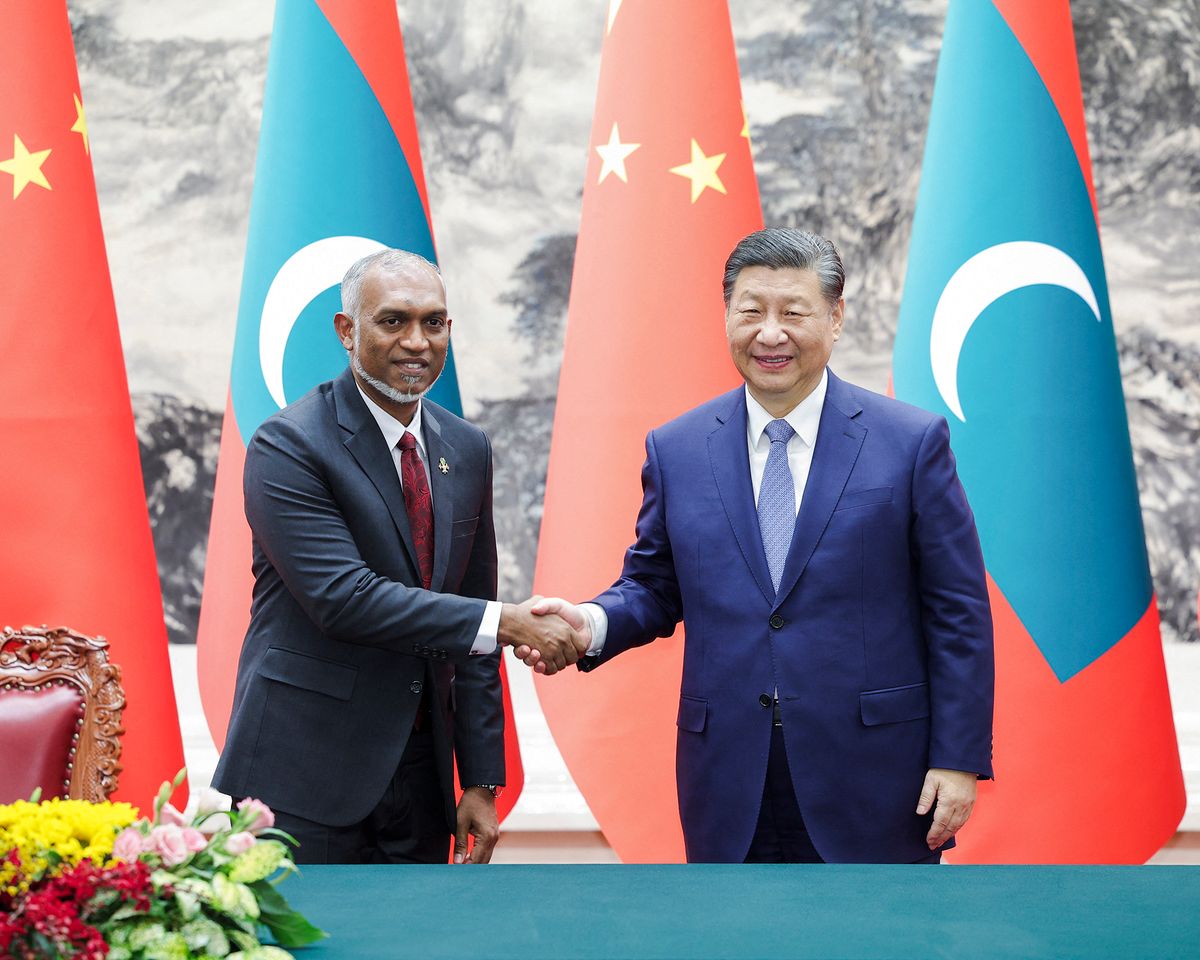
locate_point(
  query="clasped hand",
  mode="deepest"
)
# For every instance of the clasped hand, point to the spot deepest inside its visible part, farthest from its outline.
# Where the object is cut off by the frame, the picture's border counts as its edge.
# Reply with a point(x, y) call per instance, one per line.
point(541, 635)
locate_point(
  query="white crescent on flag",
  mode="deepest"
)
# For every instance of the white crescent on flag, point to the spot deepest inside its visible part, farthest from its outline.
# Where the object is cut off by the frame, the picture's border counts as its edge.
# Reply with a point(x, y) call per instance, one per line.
point(981, 281)
point(307, 273)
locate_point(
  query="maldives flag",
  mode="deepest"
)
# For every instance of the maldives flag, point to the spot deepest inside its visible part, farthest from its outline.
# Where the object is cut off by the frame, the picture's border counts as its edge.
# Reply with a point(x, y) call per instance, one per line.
point(338, 177)
point(1005, 329)
point(669, 191)
point(76, 548)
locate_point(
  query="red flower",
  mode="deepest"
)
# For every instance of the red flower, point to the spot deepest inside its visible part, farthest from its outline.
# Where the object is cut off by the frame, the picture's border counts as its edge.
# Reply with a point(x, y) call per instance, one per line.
point(63, 908)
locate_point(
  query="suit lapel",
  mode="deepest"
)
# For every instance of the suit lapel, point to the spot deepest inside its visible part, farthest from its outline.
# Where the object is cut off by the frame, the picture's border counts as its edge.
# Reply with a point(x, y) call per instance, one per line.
point(367, 446)
point(730, 460)
point(443, 487)
point(839, 440)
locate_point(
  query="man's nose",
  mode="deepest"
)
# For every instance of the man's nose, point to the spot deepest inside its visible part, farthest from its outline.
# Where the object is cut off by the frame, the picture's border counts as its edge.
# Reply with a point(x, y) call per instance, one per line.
point(414, 338)
point(771, 333)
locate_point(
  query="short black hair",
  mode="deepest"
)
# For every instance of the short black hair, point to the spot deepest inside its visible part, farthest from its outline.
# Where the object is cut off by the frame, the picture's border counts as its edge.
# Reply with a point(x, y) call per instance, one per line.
point(783, 247)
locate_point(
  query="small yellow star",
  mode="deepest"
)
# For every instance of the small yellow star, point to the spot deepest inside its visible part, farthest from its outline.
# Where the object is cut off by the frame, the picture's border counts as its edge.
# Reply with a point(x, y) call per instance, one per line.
point(745, 122)
point(613, 7)
point(25, 167)
point(702, 171)
point(80, 125)
point(613, 154)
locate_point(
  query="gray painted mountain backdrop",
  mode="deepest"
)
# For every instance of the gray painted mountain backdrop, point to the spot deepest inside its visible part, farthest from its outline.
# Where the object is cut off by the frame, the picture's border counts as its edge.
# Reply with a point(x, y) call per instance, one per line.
point(837, 95)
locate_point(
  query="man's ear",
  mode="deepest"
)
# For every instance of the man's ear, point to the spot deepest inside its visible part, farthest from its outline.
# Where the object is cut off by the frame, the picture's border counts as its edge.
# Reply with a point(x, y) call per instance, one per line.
point(837, 315)
point(344, 327)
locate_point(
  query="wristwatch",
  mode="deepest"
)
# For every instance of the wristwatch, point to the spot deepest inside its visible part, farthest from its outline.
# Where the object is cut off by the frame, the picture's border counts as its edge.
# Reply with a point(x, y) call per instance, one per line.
point(494, 789)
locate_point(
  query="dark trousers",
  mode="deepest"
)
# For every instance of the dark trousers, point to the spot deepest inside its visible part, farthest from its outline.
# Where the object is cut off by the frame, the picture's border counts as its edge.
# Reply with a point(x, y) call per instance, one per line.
point(408, 825)
point(780, 836)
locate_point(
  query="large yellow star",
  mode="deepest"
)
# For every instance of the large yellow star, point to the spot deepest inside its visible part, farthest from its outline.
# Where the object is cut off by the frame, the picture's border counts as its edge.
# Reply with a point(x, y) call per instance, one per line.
point(702, 171)
point(25, 167)
point(613, 154)
point(80, 125)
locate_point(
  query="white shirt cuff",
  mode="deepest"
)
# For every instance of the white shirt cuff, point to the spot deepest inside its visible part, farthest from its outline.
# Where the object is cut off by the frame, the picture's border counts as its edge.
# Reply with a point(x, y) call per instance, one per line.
point(489, 626)
point(598, 620)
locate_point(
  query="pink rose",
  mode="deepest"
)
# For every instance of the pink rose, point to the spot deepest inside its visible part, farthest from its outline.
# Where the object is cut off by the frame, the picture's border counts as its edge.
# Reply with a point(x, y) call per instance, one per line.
point(239, 843)
point(263, 817)
point(128, 844)
point(169, 843)
point(171, 817)
point(194, 839)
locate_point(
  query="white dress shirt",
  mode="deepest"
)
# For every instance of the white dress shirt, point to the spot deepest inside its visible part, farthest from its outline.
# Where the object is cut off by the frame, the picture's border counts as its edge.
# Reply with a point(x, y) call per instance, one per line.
point(393, 430)
point(805, 419)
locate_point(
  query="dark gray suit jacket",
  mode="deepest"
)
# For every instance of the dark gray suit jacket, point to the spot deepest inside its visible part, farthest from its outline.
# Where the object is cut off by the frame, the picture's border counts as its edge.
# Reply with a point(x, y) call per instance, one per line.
point(342, 638)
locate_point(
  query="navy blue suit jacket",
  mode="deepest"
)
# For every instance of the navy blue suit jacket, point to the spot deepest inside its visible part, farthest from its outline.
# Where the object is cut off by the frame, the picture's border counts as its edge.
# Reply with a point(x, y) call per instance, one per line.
point(879, 641)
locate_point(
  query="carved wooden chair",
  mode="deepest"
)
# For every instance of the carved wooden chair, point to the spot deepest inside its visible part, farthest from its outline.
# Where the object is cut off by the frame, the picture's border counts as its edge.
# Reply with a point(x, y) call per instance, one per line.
point(60, 715)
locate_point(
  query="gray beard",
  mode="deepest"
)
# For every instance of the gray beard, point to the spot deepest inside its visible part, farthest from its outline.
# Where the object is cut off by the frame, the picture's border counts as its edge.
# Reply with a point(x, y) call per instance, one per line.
point(397, 396)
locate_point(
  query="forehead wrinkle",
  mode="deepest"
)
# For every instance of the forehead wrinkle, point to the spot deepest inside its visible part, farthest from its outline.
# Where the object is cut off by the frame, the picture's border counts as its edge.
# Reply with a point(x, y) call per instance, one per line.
point(771, 295)
point(764, 281)
point(402, 299)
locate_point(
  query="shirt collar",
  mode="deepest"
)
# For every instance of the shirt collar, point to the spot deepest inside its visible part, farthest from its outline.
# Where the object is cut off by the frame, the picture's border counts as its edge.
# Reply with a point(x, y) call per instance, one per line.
point(392, 428)
point(804, 418)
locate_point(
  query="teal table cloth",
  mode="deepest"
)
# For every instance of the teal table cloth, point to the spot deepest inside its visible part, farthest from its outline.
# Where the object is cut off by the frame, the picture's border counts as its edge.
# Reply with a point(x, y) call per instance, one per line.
point(709, 911)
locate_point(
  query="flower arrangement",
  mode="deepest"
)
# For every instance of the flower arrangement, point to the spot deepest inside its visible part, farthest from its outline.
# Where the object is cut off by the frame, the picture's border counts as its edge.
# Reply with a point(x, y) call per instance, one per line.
point(88, 881)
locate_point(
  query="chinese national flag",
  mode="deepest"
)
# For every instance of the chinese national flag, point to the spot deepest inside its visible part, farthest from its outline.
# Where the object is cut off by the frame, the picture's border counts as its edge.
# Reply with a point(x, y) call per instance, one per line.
point(670, 189)
point(76, 536)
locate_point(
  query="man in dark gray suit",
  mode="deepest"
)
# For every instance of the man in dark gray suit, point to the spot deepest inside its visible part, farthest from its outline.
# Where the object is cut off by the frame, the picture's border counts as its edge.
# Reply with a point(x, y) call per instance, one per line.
point(371, 660)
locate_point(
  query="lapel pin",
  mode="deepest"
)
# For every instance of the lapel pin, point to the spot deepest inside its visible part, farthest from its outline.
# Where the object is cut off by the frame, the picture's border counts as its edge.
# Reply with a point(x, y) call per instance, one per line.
point(443, 465)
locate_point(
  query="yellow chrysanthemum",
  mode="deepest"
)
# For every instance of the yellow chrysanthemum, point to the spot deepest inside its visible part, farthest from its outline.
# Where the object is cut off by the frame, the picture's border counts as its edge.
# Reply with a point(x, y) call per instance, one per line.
point(74, 830)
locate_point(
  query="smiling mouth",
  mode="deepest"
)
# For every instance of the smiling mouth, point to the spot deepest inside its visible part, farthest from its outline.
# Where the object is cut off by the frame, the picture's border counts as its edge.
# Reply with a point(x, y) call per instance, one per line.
point(772, 361)
point(411, 366)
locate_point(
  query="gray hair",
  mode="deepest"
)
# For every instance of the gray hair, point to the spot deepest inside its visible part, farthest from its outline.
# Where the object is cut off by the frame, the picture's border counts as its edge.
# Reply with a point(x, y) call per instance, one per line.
point(781, 248)
point(386, 259)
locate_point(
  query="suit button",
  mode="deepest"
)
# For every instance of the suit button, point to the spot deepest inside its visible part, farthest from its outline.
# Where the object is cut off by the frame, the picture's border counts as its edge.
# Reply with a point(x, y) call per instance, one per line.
point(764, 699)
point(415, 686)
point(776, 622)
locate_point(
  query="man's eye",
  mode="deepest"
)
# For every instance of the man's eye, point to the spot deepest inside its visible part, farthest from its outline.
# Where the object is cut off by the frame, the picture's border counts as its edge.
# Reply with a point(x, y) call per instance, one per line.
point(751, 312)
point(436, 321)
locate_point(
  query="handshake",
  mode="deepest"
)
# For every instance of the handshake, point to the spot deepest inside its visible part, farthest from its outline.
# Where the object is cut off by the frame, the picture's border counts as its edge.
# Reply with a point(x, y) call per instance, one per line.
point(547, 633)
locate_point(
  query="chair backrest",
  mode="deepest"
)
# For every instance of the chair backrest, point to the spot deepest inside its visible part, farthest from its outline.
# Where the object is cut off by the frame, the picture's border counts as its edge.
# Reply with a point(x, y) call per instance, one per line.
point(60, 715)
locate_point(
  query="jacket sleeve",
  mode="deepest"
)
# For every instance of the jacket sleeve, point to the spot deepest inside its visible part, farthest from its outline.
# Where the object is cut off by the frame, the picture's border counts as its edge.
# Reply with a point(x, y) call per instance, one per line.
point(645, 603)
point(300, 530)
point(479, 698)
point(956, 614)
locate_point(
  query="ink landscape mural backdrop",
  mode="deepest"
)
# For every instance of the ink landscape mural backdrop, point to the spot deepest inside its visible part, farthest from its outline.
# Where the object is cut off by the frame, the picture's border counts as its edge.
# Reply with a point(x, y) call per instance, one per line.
point(837, 97)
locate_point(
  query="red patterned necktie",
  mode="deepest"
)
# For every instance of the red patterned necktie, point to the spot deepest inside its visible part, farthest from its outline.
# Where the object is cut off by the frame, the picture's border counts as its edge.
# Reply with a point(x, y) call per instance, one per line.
point(419, 503)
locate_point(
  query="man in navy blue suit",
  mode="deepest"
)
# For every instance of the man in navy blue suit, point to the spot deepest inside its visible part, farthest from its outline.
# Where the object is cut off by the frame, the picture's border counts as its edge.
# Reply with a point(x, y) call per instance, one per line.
point(836, 702)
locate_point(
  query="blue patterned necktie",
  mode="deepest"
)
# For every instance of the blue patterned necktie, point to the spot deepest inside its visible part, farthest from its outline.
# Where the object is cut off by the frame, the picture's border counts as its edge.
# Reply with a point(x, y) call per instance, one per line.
point(777, 500)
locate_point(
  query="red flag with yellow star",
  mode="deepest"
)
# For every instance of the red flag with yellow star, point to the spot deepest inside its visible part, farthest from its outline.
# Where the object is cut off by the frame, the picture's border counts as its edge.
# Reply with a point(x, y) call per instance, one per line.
point(76, 536)
point(670, 190)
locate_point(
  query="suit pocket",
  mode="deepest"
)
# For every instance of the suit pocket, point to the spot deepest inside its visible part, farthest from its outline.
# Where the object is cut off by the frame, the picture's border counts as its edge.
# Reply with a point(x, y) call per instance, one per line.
point(862, 498)
point(895, 704)
point(309, 673)
point(463, 528)
point(693, 712)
